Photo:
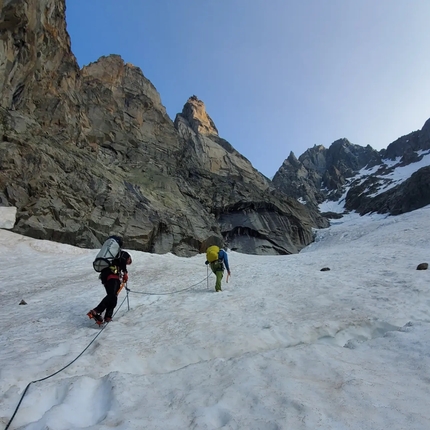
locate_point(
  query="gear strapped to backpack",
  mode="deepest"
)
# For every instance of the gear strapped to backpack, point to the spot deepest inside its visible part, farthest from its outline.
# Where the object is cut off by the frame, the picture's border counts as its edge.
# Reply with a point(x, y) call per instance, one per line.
point(108, 252)
point(212, 253)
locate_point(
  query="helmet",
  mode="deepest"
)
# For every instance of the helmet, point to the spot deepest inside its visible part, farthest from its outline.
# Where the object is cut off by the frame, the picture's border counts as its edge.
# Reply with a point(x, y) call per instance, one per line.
point(126, 257)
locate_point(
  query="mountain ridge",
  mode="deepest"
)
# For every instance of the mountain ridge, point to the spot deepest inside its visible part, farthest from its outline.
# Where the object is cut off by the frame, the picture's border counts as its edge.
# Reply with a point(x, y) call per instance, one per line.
point(90, 152)
point(325, 174)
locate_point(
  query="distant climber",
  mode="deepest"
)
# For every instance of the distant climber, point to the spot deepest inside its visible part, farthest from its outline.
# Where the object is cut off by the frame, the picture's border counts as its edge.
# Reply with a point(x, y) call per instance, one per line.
point(218, 261)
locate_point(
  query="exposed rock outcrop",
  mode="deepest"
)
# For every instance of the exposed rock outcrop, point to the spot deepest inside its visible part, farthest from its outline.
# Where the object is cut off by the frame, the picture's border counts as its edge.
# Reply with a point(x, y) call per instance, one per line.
point(252, 215)
point(87, 153)
point(407, 145)
point(361, 179)
point(320, 173)
point(413, 193)
point(40, 75)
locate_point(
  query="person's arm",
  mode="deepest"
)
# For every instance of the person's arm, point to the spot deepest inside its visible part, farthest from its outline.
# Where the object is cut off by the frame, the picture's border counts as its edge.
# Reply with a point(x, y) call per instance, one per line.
point(122, 265)
point(225, 259)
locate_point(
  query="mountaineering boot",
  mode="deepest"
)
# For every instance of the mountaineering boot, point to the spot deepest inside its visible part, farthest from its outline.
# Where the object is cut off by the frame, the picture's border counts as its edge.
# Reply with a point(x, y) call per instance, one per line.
point(97, 317)
point(108, 319)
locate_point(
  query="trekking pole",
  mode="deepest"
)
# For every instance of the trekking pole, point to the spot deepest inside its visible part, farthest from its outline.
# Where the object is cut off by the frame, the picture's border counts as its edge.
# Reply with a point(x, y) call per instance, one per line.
point(207, 277)
point(128, 302)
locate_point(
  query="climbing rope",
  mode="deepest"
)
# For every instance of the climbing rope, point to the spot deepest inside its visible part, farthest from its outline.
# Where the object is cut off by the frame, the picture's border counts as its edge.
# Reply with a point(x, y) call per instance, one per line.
point(167, 293)
point(58, 371)
point(92, 341)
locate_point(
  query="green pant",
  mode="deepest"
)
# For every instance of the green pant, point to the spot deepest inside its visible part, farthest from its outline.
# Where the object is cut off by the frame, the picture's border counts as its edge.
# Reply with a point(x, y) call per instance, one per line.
point(218, 268)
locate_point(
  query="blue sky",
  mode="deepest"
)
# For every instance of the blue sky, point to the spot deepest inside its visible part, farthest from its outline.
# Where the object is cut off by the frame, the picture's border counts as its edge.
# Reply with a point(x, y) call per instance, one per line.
point(276, 76)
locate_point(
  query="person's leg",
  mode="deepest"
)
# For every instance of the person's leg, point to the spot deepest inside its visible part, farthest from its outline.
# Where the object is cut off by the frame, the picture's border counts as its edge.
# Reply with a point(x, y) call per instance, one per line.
point(218, 269)
point(213, 268)
point(219, 276)
point(110, 300)
point(113, 299)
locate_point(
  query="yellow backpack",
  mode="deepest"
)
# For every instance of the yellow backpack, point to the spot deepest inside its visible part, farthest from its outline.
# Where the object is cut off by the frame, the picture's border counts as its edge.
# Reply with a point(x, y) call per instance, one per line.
point(212, 253)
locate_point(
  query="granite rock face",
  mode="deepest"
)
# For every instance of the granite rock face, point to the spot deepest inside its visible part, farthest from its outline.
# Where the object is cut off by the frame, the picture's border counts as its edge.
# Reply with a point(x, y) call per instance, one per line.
point(320, 173)
point(85, 153)
point(361, 178)
point(253, 216)
point(89, 152)
point(40, 75)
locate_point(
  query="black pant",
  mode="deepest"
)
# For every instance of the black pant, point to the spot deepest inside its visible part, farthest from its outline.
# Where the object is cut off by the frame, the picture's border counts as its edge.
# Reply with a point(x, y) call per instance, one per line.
point(109, 302)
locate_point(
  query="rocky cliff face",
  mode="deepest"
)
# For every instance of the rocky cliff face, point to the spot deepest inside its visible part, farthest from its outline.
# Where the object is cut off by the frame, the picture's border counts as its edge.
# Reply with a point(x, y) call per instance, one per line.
point(253, 216)
point(87, 153)
point(362, 179)
point(40, 75)
point(321, 173)
point(380, 189)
